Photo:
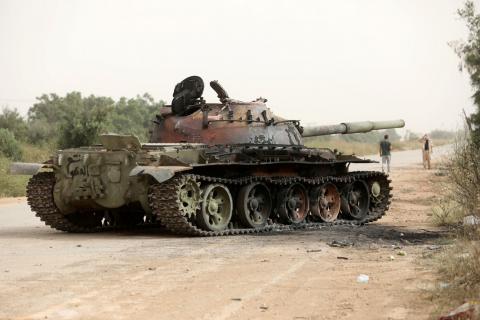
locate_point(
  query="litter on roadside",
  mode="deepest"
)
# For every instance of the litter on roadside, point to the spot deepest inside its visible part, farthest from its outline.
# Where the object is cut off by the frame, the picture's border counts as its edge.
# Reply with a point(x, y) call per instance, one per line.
point(363, 278)
point(340, 243)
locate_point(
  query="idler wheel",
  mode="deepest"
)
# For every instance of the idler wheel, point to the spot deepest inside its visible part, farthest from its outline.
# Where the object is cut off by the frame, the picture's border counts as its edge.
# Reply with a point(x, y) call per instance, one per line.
point(325, 202)
point(254, 204)
point(216, 208)
point(293, 204)
point(356, 200)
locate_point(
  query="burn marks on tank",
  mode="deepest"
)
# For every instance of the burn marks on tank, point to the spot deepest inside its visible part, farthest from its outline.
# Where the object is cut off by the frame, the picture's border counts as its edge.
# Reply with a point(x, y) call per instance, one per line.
point(262, 139)
point(292, 135)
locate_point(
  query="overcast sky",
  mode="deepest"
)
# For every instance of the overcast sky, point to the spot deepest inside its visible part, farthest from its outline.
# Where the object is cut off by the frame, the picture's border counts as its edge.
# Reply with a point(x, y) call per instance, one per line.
point(317, 61)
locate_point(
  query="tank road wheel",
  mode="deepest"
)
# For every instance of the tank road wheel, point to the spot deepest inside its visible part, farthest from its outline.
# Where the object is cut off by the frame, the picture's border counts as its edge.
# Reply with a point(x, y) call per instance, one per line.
point(216, 208)
point(356, 200)
point(292, 203)
point(254, 205)
point(325, 202)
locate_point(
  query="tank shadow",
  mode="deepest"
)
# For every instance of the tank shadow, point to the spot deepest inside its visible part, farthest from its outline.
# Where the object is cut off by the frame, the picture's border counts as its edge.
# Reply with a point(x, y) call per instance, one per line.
point(357, 235)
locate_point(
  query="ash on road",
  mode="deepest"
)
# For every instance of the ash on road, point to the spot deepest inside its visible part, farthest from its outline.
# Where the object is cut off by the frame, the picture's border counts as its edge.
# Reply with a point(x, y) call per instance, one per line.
point(149, 274)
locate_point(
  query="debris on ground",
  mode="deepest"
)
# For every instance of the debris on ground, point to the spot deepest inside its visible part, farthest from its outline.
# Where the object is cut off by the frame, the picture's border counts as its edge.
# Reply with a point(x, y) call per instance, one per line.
point(340, 243)
point(363, 278)
point(401, 253)
point(467, 311)
point(471, 221)
point(315, 250)
point(441, 172)
point(264, 307)
point(434, 247)
point(443, 285)
point(342, 258)
point(392, 258)
point(236, 299)
point(79, 245)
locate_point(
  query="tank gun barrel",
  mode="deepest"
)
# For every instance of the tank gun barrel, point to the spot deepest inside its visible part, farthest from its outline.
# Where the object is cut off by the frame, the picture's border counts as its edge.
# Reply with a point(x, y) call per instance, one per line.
point(351, 127)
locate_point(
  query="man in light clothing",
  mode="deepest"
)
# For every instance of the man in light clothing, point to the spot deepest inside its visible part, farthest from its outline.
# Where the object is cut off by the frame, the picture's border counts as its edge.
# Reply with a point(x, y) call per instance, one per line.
point(427, 150)
point(385, 148)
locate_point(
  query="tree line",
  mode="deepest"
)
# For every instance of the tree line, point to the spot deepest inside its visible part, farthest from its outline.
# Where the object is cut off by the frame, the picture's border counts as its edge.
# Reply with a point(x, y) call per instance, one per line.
point(469, 54)
point(74, 120)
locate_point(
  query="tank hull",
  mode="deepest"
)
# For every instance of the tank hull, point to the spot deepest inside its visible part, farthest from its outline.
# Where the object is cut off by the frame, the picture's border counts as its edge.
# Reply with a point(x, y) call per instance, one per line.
point(94, 189)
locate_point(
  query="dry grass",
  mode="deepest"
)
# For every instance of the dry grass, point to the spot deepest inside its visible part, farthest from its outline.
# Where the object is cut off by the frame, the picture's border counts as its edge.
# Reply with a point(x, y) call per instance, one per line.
point(447, 213)
point(14, 186)
point(459, 266)
point(459, 275)
point(11, 186)
point(346, 147)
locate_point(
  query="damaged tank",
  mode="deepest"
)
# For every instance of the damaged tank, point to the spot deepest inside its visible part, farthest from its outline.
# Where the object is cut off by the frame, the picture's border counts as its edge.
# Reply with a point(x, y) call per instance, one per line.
point(209, 169)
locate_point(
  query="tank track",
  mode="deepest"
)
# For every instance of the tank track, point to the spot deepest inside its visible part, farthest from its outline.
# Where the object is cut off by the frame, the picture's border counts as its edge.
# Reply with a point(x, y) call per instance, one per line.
point(163, 202)
point(40, 199)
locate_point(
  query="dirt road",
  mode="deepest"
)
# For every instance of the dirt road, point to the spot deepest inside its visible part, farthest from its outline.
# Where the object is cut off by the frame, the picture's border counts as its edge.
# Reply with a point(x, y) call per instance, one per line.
point(45, 274)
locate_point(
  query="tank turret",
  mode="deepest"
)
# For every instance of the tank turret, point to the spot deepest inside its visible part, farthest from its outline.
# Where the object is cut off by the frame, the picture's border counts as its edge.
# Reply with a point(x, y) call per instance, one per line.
point(233, 122)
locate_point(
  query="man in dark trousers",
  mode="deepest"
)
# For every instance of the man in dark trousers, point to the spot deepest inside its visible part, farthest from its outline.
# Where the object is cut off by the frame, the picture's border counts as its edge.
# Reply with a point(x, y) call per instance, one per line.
point(385, 148)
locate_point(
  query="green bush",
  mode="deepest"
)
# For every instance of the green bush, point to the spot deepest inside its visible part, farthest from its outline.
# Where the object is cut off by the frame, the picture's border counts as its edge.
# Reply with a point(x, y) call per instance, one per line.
point(12, 121)
point(9, 146)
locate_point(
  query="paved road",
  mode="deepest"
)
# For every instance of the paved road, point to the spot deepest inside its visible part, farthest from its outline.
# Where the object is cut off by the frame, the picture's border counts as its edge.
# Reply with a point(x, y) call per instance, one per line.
point(404, 158)
point(46, 274)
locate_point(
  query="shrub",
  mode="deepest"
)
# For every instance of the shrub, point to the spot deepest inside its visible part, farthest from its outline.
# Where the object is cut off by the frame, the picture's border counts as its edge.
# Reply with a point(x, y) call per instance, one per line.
point(9, 146)
point(464, 176)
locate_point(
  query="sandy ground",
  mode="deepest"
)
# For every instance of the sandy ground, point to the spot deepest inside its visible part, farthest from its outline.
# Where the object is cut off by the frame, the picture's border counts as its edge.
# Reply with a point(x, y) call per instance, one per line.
point(150, 274)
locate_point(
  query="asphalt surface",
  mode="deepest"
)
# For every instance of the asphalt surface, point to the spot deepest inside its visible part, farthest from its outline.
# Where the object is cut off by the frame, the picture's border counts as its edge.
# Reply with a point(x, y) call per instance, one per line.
point(150, 274)
point(404, 158)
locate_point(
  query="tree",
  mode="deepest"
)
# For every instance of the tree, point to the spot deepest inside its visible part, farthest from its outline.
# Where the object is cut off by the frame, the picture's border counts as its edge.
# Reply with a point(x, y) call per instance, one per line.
point(84, 121)
point(469, 53)
point(12, 121)
point(74, 120)
point(411, 136)
point(133, 116)
point(442, 134)
point(44, 118)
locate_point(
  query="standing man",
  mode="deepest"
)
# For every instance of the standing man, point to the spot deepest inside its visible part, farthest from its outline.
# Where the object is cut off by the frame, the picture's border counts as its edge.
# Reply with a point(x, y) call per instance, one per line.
point(385, 148)
point(427, 149)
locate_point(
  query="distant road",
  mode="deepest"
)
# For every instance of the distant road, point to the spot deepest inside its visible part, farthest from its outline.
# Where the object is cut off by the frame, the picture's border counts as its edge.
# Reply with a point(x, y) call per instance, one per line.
point(404, 158)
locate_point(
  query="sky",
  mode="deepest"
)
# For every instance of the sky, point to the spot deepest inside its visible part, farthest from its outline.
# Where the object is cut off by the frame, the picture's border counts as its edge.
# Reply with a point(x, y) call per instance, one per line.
point(322, 62)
